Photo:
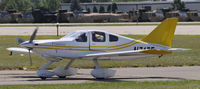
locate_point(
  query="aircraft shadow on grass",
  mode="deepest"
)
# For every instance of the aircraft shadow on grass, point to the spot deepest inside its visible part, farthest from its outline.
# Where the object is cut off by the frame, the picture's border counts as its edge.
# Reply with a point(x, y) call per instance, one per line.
point(36, 78)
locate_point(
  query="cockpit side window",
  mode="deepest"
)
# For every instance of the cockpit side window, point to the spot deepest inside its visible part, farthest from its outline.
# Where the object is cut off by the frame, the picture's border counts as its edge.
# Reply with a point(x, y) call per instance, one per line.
point(98, 37)
point(113, 38)
point(82, 38)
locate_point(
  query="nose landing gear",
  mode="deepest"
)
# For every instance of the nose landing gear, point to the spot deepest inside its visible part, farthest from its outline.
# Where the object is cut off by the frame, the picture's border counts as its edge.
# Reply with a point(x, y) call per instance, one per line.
point(61, 72)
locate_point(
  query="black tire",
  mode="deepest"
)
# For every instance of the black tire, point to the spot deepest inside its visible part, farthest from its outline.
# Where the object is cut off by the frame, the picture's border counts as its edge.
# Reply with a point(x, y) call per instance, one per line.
point(62, 76)
point(100, 78)
point(43, 78)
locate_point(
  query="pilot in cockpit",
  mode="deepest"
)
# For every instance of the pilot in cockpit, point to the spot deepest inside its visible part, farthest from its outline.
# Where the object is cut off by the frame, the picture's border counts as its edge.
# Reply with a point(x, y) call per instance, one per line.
point(98, 37)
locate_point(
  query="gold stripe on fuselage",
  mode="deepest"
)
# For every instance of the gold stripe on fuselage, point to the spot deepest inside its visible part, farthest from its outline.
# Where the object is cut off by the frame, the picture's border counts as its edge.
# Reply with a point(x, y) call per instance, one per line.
point(112, 46)
point(115, 48)
point(63, 48)
point(87, 47)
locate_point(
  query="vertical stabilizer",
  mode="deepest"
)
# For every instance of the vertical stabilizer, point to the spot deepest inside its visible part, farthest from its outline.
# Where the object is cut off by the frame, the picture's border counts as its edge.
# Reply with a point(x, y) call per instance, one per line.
point(163, 34)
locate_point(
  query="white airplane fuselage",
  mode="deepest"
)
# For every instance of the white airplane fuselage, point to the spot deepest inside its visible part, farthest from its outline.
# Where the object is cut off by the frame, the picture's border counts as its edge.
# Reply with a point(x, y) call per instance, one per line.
point(69, 47)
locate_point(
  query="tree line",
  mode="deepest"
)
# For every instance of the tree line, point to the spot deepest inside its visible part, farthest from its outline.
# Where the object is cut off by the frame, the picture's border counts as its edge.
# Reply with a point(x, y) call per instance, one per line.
point(75, 6)
point(28, 5)
point(53, 5)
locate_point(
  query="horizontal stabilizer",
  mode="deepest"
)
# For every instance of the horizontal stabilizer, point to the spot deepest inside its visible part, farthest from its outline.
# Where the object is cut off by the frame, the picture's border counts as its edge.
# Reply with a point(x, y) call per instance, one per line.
point(20, 50)
point(156, 51)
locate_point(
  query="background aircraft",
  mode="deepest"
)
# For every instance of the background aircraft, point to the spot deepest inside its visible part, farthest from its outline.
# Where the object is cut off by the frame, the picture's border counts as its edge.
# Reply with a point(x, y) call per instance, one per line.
point(98, 45)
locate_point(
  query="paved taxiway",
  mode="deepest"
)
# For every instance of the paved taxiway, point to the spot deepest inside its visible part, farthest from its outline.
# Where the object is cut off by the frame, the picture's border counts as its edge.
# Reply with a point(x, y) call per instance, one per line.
point(181, 30)
point(17, 77)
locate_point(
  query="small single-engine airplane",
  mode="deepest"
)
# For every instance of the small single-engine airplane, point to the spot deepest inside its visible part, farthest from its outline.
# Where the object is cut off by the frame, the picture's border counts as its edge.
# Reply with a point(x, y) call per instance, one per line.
point(98, 45)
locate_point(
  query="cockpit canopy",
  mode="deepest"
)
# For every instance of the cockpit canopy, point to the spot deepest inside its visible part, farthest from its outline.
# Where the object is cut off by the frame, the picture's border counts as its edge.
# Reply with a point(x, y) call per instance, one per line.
point(96, 36)
point(73, 35)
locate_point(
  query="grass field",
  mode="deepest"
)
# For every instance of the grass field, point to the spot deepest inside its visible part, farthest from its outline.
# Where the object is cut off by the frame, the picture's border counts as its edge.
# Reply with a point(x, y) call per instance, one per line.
point(187, 58)
point(115, 85)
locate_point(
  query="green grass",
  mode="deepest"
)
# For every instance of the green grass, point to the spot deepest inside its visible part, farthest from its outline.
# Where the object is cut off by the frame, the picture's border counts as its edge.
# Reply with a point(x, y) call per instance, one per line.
point(115, 85)
point(185, 58)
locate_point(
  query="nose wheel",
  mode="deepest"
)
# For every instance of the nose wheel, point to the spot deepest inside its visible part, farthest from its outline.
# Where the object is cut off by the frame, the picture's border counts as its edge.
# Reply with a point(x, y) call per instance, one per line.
point(61, 72)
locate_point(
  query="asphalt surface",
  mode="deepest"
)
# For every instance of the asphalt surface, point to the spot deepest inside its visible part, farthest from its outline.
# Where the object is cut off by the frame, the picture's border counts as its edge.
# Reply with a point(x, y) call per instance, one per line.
point(181, 30)
point(18, 77)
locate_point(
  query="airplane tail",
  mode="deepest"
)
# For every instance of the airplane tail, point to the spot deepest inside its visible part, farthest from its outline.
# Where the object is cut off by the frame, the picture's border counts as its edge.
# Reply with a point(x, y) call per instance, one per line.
point(163, 34)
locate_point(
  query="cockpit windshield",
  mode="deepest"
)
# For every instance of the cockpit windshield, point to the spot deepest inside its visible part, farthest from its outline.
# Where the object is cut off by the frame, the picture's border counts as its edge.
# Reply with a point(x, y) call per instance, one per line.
point(73, 35)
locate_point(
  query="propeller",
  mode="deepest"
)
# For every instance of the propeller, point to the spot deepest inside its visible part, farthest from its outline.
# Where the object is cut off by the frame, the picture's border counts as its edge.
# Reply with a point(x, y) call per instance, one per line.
point(20, 41)
point(30, 58)
point(33, 35)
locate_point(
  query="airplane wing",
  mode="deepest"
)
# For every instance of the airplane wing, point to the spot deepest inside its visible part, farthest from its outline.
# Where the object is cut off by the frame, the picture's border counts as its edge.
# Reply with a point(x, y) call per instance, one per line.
point(178, 49)
point(20, 50)
point(133, 54)
point(113, 53)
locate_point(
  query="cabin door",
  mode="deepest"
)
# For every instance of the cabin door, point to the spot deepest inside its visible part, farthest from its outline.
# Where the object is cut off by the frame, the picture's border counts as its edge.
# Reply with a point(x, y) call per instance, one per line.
point(98, 41)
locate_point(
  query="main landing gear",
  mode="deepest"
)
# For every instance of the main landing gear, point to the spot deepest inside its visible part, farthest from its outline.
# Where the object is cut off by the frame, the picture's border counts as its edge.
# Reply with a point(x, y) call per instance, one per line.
point(101, 73)
point(61, 72)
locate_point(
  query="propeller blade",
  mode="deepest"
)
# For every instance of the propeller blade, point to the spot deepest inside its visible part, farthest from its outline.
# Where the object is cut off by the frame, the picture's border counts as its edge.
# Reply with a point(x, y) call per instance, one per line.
point(30, 58)
point(19, 40)
point(33, 35)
